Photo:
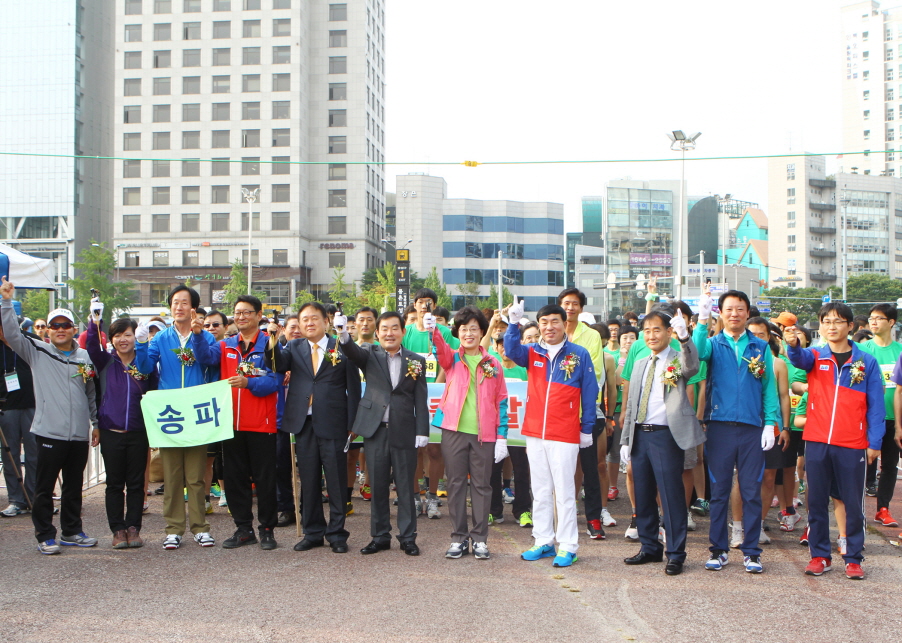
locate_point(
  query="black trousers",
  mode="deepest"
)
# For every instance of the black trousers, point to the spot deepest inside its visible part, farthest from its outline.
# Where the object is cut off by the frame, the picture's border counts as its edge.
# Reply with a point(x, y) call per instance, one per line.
point(522, 484)
point(889, 459)
point(125, 459)
point(284, 486)
point(319, 457)
point(588, 458)
point(383, 462)
point(251, 454)
point(70, 459)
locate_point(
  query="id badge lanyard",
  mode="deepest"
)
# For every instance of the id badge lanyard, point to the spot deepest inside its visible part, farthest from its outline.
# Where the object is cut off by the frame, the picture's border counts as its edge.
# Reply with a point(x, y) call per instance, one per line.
point(11, 378)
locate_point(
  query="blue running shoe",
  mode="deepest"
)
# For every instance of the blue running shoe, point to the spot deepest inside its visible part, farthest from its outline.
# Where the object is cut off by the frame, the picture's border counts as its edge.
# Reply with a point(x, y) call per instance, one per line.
point(564, 559)
point(538, 551)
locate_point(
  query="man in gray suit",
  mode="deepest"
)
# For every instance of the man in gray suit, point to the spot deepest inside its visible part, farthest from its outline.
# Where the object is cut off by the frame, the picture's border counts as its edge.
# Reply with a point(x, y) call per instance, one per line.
point(659, 425)
point(393, 418)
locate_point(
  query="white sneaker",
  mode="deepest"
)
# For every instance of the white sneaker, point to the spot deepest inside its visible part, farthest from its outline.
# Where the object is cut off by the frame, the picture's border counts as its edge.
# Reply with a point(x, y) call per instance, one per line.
point(458, 549)
point(222, 500)
point(432, 508)
point(204, 539)
point(788, 523)
point(662, 536)
point(841, 545)
point(172, 541)
point(738, 537)
point(607, 519)
point(763, 538)
point(481, 551)
point(690, 523)
point(12, 511)
point(632, 532)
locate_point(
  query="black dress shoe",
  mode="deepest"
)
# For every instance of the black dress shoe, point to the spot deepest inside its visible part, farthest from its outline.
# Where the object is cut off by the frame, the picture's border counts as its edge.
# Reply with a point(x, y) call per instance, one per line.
point(306, 545)
point(286, 518)
point(375, 546)
point(339, 548)
point(642, 558)
point(673, 568)
point(410, 548)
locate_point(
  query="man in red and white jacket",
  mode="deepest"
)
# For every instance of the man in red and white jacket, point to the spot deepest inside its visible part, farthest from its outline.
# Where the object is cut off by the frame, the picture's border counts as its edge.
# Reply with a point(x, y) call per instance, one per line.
point(560, 416)
point(844, 431)
point(251, 453)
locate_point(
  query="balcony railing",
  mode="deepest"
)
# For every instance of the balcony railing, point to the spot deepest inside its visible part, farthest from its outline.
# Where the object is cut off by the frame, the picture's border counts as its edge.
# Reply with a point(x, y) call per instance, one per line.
point(822, 252)
point(822, 276)
point(814, 205)
point(822, 183)
point(830, 229)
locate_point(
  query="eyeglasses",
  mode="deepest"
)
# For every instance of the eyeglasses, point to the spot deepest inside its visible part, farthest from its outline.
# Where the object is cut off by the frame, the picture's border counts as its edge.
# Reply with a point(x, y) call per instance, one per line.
point(833, 322)
point(61, 325)
point(40, 326)
point(877, 319)
point(244, 313)
point(213, 325)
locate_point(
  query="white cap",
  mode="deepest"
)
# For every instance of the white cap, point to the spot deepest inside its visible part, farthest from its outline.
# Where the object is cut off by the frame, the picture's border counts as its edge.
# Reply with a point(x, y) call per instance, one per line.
point(589, 318)
point(60, 312)
point(157, 324)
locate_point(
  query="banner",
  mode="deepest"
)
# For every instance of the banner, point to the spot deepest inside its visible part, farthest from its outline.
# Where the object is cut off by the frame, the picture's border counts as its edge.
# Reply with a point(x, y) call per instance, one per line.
point(188, 417)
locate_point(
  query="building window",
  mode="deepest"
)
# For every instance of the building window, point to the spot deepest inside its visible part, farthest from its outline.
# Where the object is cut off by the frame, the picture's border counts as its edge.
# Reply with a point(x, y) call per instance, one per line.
point(162, 59)
point(338, 198)
point(191, 58)
point(255, 257)
point(191, 31)
point(221, 139)
point(281, 55)
point(220, 257)
point(190, 258)
point(867, 134)
point(132, 60)
point(866, 94)
point(162, 6)
point(281, 221)
point(336, 259)
point(281, 4)
point(133, 7)
point(281, 82)
point(162, 113)
point(281, 137)
point(790, 171)
point(791, 216)
point(162, 86)
point(280, 257)
point(251, 29)
point(338, 91)
point(190, 112)
point(250, 83)
point(338, 144)
point(161, 140)
point(131, 141)
point(191, 85)
point(160, 168)
point(338, 118)
point(222, 29)
point(132, 87)
point(281, 27)
point(222, 57)
point(190, 223)
point(132, 32)
point(281, 109)
point(132, 114)
point(162, 32)
point(250, 5)
point(338, 38)
point(338, 12)
point(256, 221)
point(191, 167)
point(338, 171)
point(338, 225)
point(131, 196)
point(222, 5)
point(221, 84)
point(221, 111)
point(250, 111)
point(161, 259)
point(891, 134)
point(191, 193)
point(250, 138)
point(191, 6)
point(338, 65)
point(132, 259)
point(131, 169)
point(220, 194)
point(190, 140)
point(131, 223)
point(220, 222)
point(281, 165)
point(281, 193)
point(867, 114)
point(250, 56)
point(160, 196)
point(160, 222)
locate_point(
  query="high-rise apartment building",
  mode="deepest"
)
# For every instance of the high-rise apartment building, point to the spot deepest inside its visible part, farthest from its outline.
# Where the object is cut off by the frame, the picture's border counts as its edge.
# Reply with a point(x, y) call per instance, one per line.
point(212, 96)
point(56, 84)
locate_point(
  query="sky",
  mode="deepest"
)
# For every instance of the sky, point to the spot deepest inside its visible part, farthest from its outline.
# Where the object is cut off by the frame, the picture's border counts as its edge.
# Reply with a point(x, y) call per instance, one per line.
point(496, 80)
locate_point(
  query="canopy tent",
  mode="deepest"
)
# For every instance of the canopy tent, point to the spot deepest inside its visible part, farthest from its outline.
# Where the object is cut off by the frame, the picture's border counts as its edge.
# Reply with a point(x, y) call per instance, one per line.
point(26, 271)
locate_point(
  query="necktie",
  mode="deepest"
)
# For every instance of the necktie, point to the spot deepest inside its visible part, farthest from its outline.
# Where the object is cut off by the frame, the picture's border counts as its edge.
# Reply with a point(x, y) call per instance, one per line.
point(315, 359)
point(646, 390)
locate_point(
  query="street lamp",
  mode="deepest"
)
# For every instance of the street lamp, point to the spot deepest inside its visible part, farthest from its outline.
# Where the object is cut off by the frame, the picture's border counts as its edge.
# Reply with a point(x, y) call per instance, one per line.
point(680, 143)
point(392, 244)
point(250, 196)
point(844, 204)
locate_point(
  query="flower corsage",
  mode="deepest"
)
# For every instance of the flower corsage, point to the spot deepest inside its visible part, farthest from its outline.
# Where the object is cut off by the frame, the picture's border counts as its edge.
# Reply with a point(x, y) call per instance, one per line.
point(246, 369)
point(569, 363)
point(756, 367)
point(86, 371)
point(672, 373)
point(857, 372)
point(334, 356)
point(489, 369)
point(185, 356)
point(414, 368)
point(133, 371)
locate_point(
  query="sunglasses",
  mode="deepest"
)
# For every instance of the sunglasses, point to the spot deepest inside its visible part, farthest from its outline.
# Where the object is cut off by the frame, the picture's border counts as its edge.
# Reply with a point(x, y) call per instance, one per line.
point(213, 325)
point(40, 326)
point(61, 325)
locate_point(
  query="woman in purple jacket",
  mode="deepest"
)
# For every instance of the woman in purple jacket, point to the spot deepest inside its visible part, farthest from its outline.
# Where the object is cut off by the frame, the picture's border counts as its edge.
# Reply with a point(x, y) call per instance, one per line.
point(122, 438)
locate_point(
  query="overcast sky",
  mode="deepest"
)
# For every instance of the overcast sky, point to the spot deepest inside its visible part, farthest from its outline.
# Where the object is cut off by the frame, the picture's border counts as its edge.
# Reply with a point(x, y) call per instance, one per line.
point(521, 81)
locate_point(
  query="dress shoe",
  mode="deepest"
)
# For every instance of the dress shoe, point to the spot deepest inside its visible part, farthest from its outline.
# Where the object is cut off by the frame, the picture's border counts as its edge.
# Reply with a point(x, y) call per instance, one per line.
point(339, 547)
point(375, 546)
point(410, 548)
point(673, 568)
point(306, 545)
point(286, 518)
point(642, 558)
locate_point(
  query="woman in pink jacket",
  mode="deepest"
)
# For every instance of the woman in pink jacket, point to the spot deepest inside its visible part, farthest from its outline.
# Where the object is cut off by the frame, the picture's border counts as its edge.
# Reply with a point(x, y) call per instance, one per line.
point(473, 417)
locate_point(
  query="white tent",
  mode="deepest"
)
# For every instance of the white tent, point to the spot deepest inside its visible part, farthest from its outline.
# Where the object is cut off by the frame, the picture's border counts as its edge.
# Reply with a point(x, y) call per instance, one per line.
point(26, 271)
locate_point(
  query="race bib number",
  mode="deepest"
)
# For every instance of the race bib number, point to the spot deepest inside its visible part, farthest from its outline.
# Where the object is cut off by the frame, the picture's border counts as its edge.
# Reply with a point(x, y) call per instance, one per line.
point(888, 375)
point(794, 401)
point(431, 367)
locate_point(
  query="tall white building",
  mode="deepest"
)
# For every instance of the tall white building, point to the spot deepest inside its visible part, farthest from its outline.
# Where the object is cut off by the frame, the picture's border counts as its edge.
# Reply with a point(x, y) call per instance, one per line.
point(461, 239)
point(212, 96)
point(56, 84)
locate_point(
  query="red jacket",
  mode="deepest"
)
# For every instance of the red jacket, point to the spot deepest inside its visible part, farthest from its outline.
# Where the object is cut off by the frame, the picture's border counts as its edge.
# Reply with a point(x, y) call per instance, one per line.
point(254, 407)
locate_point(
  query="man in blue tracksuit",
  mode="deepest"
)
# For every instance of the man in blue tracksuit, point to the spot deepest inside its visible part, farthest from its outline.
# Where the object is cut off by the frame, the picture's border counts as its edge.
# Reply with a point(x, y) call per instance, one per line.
point(741, 398)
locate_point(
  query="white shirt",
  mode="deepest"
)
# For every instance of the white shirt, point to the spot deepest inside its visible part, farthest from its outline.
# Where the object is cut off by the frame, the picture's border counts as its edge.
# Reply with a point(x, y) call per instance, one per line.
point(657, 412)
point(553, 349)
point(323, 344)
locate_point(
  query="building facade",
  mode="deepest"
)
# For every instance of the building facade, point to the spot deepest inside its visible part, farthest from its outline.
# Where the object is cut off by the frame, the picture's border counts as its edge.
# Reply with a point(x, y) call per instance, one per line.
point(461, 238)
point(216, 96)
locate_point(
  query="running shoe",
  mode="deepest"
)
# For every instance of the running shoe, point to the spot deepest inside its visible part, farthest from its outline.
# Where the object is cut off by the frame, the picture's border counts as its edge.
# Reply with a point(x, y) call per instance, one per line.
point(566, 558)
point(700, 507)
point(13, 510)
point(788, 522)
point(753, 564)
point(841, 545)
point(442, 489)
point(613, 493)
point(366, 492)
point(763, 538)
point(538, 551)
point(49, 547)
point(204, 539)
point(717, 561)
point(607, 519)
point(215, 490)
point(803, 539)
point(871, 490)
point(78, 540)
point(690, 522)
point(349, 508)
point(456, 550)
point(594, 529)
point(222, 500)
point(526, 519)
point(854, 571)
point(481, 551)
point(737, 538)
point(775, 502)
point(507, 495)
point(432, 508)
point(632, 532)
point(818, 566)
point(172, 541)
point(496, 519)
point(208, 507)
point(885, 518)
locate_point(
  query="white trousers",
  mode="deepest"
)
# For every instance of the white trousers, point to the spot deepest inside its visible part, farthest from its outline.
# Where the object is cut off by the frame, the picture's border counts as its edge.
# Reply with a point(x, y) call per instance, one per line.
point(552, 466)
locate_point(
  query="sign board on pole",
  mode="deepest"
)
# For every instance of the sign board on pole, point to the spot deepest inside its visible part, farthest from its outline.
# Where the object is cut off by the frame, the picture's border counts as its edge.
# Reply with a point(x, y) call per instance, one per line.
point(826, 299)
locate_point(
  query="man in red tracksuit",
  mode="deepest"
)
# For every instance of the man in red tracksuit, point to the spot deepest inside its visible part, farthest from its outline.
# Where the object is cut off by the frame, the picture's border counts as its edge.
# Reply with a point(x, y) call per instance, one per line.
point(844, 431)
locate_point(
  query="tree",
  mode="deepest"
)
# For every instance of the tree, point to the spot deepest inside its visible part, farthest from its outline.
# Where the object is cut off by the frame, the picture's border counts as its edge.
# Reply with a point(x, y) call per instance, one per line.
point(237, 285)
point(343, 291)
point(801, 302)
point(491, 301)
point(434, 283)
point(470, 292)
point(379, 288)
point(96, 268)
point(302, 298)
point(36, 304)
point(871, 288)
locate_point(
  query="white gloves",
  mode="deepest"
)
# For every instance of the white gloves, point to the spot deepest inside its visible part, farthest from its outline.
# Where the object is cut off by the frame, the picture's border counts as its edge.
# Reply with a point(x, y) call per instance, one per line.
point(339, 322)
point(429, 322)
point(625, 453)
point(516, 311)
point(585, 440)
point(705, 304)
point(422, 441)
point(500, 450)
point(142, 333)
point(678, 323)
point(96, 308)
point(767, 438)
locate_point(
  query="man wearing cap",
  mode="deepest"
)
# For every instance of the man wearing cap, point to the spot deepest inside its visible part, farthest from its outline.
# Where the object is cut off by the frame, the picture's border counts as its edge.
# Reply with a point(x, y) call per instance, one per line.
point(785, 319)
point(65, 413)
point(573, 300)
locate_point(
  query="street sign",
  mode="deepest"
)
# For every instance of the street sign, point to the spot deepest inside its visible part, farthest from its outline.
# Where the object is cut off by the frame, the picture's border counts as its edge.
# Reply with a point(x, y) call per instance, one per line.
point(762, 302)
point(826, 299)
point(763, 310)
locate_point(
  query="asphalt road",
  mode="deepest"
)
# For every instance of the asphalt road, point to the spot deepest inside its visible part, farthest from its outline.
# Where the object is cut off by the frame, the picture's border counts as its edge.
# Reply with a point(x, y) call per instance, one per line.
point(204, 595)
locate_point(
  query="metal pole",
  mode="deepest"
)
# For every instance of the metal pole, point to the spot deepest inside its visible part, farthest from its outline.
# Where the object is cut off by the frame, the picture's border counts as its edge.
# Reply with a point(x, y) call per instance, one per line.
point(500, 281)
point(701, 277)
point(678, 275)
point(250, 227)
point(845, 263)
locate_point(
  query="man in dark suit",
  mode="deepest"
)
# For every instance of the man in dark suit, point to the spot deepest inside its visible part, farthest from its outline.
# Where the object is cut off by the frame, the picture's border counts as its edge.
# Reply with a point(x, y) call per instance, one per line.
point(319, 409)
point(393, 419)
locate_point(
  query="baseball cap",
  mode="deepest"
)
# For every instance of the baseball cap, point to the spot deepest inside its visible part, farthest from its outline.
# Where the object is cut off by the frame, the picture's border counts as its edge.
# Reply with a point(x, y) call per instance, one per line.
point(785, 319)
point(589, 318)
point(60, 312)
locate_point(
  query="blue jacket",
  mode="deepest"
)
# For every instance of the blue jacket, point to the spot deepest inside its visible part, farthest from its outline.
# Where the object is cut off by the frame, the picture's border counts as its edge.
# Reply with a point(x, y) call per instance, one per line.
point(173, 374)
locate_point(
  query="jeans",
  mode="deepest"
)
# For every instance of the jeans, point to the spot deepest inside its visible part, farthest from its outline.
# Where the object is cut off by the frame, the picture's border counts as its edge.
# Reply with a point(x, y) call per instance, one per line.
point(125, 459)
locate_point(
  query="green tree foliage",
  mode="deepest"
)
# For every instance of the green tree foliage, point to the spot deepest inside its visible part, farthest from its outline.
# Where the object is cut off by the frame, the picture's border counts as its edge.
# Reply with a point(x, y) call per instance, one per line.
point(36, 304)
point(379, 288)
point(237, 285)
point(801, 302)
point(434, 283)
point(302, 298)
point(491, 301)
point(872, 288)
point(343, 291)
point(95, 268)
point(470, 292)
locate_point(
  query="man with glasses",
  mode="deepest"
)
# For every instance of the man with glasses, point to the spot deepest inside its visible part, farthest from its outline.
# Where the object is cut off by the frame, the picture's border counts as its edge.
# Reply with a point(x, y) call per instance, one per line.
point(66, 412)
point(215, 323)
point(881, 320)
point(844, 430)
point(40, 329)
